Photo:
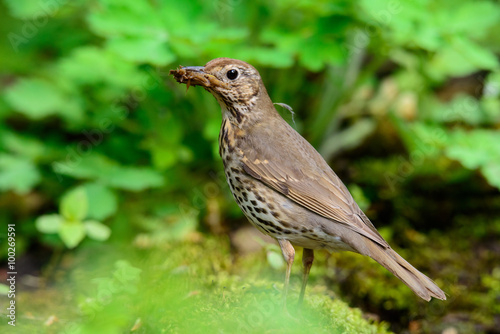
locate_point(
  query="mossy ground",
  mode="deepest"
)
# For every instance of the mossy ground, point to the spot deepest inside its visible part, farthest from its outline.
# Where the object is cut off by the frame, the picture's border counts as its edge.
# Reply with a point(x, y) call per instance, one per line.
point(183, 287)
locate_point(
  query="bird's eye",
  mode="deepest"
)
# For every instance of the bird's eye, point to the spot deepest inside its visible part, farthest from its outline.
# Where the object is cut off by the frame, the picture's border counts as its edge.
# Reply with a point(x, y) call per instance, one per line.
point(232, 74)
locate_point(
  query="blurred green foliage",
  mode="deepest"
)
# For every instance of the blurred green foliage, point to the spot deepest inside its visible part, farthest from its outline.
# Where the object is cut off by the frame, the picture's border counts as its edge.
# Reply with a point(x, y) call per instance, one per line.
point(89, 200)
point(402, 97)
point(146, 292)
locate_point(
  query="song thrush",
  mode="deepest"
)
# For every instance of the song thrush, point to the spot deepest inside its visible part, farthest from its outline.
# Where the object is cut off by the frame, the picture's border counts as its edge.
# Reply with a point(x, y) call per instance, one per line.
point(282, 184)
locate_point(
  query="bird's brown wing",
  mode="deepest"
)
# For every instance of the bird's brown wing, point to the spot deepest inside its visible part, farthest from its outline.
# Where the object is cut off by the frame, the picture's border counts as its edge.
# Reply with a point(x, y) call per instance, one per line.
point(302, 175)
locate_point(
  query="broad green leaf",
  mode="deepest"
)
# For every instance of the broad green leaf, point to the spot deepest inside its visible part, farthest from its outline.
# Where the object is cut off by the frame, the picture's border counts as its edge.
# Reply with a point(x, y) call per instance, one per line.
point(72, 233)
point(471, 157)
point(374, 8)
point(35, 98)
point(424, 140)
point(481, 15)
point(96, 230)
point(27, 9)
point(74, 205)
point(462, 108)
point(461, 57)
point(135, 179)
point(317, 52)
point(25, 146)
point(126, 18)
point(102, 201)
point(154, 51)
point(491, 107)
point(474, 148)
point(479, 56)
point(89, 167)
point(427, 37)
point(491, 172)
point(17, 174)
point(106, 68)
point(477, 149)
point(266, 56)
point(49, 223)
point(108, 172)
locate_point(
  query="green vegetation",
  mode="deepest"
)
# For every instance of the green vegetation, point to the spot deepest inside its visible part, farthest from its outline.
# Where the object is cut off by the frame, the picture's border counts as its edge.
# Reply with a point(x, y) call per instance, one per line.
point(108, 166)
point(178, 293)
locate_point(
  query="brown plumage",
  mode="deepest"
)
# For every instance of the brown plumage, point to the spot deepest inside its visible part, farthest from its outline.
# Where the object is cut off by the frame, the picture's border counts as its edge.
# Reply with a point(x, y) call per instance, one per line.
point(282, 184)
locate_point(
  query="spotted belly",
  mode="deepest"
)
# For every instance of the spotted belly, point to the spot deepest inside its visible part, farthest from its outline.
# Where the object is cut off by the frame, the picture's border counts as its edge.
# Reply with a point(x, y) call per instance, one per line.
point(258, 203)
point(277, 216)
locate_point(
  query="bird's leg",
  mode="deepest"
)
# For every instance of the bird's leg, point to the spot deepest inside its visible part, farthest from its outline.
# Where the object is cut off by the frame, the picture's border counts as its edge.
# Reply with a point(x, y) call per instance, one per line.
point(307, 261)
point(288, 254)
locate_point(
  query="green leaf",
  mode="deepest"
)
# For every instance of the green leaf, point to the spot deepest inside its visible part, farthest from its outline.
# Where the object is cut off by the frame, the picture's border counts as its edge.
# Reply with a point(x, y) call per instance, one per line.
point(474, 148)
point(27, 9)
point(35, 98)
point(491, 172)
point(135, 179)
point(96, 230)
point(17, 174)
point(91, 167)
point(477, 149)
point(481, 15)
point(266, 56)
point(461, 57)
point(108, 172)
point(72, 233)
point(102, 201)
point(461, 108)
point(106, 68)
point(74, 205)
point(49, 223)
point(142, 50)
point(25, 146)
point(317, 52)
point(126, 18)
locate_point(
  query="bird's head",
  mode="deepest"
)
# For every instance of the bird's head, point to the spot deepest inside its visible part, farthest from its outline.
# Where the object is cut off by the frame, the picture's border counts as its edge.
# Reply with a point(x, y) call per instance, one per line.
point(236, 85)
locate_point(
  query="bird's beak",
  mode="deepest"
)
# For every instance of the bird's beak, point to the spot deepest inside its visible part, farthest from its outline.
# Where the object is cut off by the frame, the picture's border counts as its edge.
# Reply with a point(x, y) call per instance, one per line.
point(194, 68)
point(196, 76)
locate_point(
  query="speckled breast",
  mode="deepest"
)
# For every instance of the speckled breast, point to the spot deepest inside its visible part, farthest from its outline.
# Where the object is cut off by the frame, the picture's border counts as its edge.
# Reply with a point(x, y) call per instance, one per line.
point(259, 203)
point(271, 212)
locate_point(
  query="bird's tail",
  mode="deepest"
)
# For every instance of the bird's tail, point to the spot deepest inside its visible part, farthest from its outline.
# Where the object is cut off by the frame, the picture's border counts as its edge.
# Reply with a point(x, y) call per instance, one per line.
point(421, 285)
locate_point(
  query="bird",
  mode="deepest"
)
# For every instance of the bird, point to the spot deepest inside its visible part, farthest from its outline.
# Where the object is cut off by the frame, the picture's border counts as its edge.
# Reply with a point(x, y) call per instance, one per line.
point(283, 185)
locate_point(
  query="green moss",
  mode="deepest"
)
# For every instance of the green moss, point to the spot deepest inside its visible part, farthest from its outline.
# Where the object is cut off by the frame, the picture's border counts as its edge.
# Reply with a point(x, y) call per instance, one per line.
point(183, 288)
